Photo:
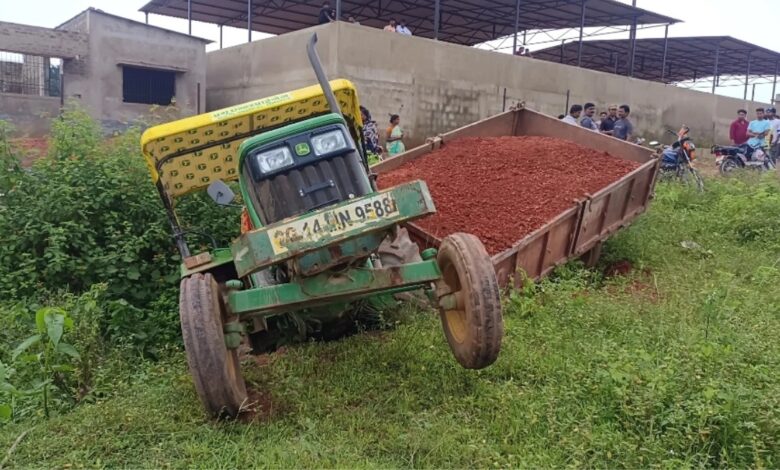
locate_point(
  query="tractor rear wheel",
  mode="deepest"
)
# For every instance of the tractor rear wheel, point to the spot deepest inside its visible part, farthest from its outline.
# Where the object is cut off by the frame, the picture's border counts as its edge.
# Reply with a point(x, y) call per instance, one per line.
point(215, 369)
point(469, 301)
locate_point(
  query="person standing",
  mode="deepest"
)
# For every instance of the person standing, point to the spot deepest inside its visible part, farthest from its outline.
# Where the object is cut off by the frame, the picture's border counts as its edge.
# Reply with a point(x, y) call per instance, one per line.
point(608, 123)
point(370, 133)
point(326, 15)
point(774, 133)
point(574, 115)
point(587, 122)
point(624, 128)
point(395, 136)
point(602, 116)
point(391, 26)
point(738, 130)
point(758, 130)
point(402, 29)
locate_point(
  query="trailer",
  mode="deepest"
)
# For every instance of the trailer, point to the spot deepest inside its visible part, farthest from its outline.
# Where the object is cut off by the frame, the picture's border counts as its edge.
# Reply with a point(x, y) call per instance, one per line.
point(577, 232)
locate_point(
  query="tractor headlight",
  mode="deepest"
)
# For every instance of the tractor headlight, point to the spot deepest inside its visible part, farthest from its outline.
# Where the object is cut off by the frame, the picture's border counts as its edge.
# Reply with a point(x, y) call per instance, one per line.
point(275, 159)
point(328, 142)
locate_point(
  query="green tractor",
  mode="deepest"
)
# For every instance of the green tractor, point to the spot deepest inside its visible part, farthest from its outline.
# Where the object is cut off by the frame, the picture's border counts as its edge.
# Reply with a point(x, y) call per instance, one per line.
point(319, 243)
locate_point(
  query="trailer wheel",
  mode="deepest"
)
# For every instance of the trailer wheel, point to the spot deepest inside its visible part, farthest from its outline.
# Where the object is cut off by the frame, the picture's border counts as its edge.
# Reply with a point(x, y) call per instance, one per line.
point(215, 369)
point(469, 301)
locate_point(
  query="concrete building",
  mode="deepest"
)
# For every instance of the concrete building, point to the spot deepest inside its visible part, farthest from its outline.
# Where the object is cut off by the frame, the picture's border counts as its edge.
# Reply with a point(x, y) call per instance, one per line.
point(437, 86)
point(118, 69)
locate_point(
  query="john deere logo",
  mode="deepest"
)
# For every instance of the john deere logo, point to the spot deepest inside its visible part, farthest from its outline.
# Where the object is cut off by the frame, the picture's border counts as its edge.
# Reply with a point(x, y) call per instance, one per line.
point(302, 149)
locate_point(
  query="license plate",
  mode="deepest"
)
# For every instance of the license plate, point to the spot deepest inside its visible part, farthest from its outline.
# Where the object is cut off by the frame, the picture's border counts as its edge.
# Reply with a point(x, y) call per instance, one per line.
point(329, 223)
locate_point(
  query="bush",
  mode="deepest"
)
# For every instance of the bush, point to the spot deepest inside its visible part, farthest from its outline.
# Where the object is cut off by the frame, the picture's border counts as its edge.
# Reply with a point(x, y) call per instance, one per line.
point(89, 214)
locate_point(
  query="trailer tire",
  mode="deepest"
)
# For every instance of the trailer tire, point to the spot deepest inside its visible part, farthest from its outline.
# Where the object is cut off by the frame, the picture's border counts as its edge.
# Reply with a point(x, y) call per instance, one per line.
point(215, 369)
point(475, 327)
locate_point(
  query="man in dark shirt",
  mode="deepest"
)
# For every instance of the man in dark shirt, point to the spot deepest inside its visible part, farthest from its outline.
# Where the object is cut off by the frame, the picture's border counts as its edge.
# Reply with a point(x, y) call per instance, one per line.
point(587, 122)
point(326, 16)
point(608, 123)
point(623, 129)
point(739, 128)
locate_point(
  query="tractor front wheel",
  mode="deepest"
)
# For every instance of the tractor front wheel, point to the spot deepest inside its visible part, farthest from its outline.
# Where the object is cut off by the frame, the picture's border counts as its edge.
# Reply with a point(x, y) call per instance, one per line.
point(215, 369)
point(469, 301)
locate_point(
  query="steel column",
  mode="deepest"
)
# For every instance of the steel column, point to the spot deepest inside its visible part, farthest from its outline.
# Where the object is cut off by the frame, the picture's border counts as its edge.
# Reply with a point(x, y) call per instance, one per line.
point(715, 72)
point(189, 17)
point(747, 75)
point(632, 36)
point(582, 30)
point(220, 36)
point(436, 18)
point(517, 26)
point(249, 19)
point(562, 43)
point(666, 51)
point(338, 10)
point(146, 16)
point(774, 84)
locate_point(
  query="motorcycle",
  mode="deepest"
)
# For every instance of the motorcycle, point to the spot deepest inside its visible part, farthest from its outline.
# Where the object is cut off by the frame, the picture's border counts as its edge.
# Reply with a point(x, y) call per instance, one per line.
point(730, 158)
point(677, 160)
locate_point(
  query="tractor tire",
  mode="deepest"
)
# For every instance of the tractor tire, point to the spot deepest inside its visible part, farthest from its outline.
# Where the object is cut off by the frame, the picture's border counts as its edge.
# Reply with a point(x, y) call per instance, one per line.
point(475, 327)
point(215, 370)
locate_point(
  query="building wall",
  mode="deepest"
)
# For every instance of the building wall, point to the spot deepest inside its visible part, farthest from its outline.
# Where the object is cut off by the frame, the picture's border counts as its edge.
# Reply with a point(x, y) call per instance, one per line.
point(31, 115)
point(114, 41)
point(41, 41)
point(436, 86)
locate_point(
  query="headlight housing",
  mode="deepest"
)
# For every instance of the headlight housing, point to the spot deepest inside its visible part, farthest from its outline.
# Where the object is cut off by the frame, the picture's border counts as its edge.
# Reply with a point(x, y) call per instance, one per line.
point(328, 142)
point(275, 159)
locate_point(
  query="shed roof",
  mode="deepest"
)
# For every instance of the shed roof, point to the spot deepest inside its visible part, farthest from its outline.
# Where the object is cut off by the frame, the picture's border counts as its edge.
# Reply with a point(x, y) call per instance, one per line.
point(465, 22)
point(688, 58)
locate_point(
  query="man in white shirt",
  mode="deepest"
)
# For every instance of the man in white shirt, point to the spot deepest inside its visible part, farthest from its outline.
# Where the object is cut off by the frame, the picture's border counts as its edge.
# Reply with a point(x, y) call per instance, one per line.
point(402, 29)
point(774, 134)
point(574, 115)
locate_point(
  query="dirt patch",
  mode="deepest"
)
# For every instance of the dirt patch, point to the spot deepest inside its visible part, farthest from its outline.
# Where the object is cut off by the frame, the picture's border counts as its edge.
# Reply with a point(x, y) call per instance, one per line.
point(503, 188)
point(259, 407)
point(30, 149)
point(619, 268)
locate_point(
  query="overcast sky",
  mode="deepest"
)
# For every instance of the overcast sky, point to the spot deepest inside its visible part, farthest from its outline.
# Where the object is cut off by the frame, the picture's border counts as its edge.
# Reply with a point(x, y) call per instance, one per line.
point(754, 21)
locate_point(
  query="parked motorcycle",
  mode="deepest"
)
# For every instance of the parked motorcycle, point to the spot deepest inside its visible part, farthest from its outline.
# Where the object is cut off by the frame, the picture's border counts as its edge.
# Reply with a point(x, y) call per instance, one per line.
point(677, 160)
point(730, 158)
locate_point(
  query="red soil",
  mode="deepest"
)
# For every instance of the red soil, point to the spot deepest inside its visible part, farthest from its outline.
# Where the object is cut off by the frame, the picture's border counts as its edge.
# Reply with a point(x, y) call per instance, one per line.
point(503, 188)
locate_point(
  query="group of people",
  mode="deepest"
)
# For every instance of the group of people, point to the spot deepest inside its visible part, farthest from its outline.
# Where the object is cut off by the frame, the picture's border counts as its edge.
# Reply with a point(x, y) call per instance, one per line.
point(394, 135)
point(615, 121)
point(761, 133)
point(328, 15)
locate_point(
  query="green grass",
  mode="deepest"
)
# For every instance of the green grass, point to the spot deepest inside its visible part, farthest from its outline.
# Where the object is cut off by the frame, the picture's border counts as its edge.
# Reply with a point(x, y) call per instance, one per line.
point(675, 365)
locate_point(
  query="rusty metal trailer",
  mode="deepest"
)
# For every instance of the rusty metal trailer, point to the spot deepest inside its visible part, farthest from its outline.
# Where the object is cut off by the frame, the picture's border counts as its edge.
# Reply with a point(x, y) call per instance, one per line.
point(579, 231)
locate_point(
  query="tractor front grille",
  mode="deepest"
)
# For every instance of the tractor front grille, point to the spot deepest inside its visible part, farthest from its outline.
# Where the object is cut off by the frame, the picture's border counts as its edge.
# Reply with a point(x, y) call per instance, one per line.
point(303, 189)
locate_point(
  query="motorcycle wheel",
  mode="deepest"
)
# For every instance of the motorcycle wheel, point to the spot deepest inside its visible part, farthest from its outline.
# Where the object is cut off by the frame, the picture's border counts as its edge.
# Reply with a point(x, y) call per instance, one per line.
point(697, 179)
point(727, 166)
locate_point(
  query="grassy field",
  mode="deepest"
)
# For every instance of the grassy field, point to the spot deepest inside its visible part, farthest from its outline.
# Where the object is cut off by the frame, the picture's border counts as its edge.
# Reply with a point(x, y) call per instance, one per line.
point(675, 364)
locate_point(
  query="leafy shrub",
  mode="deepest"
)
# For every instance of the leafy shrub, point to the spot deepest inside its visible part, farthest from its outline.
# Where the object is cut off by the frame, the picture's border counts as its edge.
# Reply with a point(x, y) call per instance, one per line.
point(89, 214)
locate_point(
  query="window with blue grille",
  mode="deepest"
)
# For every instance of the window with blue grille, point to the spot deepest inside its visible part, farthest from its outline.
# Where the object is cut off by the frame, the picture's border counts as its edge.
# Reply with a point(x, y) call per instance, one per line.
point(148, 86)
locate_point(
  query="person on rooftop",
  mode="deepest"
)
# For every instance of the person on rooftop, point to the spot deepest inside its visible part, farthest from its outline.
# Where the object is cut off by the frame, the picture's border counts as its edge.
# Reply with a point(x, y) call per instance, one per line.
point(391, 26)
point(326, 14)
point(402, 29)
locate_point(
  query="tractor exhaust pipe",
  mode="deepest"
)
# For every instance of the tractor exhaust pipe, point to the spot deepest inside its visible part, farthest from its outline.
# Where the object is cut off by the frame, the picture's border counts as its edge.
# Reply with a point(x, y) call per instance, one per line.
point(314, 58)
